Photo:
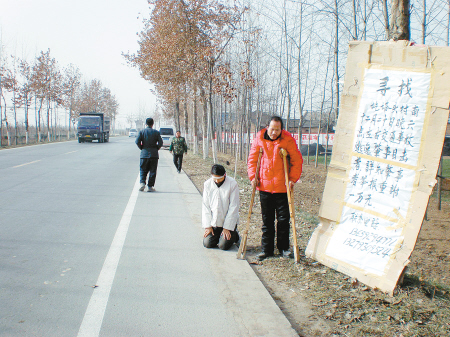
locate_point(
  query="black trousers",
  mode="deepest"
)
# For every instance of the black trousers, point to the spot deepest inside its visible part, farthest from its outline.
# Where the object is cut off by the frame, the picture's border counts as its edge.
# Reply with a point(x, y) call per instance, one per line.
point(274, 204)
point(178, 161)
point(148, 167)
point(212, 240)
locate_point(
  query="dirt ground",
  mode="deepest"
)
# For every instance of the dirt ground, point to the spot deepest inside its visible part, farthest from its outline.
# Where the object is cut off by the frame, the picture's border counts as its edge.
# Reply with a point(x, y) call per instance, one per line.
point(319, 301)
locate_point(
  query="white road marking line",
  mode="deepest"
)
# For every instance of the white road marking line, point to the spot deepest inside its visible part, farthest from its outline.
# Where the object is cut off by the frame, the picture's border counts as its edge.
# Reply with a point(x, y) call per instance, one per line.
point(31, 162)
point(93, 317)
point(71, 152)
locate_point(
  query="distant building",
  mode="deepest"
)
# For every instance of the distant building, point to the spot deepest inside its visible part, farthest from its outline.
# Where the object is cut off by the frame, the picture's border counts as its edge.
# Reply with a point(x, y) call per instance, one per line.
point(310, 123)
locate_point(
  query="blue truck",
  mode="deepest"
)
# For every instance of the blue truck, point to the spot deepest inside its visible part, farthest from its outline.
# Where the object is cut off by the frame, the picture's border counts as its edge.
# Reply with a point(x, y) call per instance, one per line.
point(93, 126)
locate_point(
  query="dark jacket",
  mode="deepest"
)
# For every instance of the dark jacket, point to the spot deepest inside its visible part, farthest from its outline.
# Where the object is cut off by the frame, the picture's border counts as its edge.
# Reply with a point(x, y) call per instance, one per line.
point(149, 141)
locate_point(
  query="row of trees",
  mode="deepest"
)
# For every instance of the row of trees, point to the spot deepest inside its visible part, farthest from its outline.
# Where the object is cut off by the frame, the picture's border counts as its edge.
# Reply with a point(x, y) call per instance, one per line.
point(43, 87)
point(222, 66)
point(180, 47)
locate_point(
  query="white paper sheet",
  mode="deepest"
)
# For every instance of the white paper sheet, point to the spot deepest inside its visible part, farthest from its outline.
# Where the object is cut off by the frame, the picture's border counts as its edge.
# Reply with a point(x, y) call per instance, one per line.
point(386, 147)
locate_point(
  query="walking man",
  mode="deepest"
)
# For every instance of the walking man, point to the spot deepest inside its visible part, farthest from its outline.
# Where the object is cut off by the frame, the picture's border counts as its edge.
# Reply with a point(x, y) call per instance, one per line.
point(220, 209)
point(272, 183)
point(149, 141)
point(178, 147)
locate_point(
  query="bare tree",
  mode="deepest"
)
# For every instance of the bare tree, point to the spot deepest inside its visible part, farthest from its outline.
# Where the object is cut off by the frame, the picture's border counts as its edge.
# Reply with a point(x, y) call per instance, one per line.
point(25, 93)
point(386, 18)
point(429, 15)
point(355, 21)
point(448, 24)
point(9, 83)
point(336, 55)
point(72, 82)
point(43, 82)
point(12, 85)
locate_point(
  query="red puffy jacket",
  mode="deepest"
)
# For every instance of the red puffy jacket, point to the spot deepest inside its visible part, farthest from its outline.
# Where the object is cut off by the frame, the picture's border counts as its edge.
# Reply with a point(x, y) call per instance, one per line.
point(271, 173)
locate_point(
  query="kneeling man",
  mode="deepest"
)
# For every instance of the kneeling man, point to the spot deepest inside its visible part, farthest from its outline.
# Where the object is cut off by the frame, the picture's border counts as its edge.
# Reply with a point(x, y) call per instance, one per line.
point(220, 209)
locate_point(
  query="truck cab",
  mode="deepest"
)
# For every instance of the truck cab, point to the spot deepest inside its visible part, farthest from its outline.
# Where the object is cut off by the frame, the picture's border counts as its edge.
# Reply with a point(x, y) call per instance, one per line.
point(93, 126)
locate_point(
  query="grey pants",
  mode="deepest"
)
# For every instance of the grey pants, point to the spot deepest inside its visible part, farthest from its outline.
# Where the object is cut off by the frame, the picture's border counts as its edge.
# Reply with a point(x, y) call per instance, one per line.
point(212, 240)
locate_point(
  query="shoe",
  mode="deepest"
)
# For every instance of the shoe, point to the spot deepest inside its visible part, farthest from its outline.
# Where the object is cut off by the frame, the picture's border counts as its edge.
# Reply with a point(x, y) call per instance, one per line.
point(151, 189)
point(287, 253)
point(263, 255)
point(141, 188)
point(178, 171)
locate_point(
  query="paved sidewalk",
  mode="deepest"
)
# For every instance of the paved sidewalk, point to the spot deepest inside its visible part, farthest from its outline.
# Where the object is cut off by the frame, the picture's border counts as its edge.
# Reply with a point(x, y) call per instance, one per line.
point(223, 295)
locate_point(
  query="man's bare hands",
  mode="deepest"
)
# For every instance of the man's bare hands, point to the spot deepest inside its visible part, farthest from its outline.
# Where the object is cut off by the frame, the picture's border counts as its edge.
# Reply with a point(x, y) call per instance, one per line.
point(255, 182)
point(291, 185)
point(226, 234)
point(208, 231)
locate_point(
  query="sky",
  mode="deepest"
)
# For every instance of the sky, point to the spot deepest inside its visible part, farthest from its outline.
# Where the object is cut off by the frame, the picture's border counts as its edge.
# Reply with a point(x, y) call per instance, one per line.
point(91, 34)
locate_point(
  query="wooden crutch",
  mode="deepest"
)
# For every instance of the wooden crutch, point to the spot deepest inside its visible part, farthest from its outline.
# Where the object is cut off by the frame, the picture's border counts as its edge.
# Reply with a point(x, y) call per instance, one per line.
point(243, 246)
point(283, 153)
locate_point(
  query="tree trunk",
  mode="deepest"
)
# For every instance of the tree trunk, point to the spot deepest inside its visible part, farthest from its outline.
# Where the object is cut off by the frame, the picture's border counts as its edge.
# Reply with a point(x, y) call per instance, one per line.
point(302, 101)
point(36, 119)
point(328, 127)
point(316, 163)
point(355, 22)
point(365, 21)
point(241, 134)
point(195, 121)
point(336, 52)
point(238, 145)
point(400, 25)
point(448, 24)
point(211, 133)
point(225, 129)
point(309, 135)
point(15, 117)
point(216, 123)
point(321, 111)
point(205, 142)
point(177, 114)
point(424, 21)
point(70, 116)
point(6, 122)
point(288, 79)
point(186, 116)
point(248, 123)
point(299, 80)
point(327, 136)
point(386, 18)
point(210, 120)
point(26, 118)
point(231, 138)
point(48, 121)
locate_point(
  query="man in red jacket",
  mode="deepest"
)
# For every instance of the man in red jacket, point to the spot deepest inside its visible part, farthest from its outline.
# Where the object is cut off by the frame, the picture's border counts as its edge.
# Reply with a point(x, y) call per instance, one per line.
point(271, 183)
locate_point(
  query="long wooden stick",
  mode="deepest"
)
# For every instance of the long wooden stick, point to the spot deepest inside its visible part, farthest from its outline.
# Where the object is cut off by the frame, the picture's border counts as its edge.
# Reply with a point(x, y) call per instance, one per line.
point(243, 246)
point(291, 206)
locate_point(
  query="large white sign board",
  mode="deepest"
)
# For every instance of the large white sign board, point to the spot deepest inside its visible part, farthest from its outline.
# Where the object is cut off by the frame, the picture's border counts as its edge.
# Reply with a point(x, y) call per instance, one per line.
point(375, 196)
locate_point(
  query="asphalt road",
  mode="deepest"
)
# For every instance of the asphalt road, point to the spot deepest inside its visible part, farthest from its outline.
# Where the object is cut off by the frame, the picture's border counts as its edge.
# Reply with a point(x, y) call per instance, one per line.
point(83, 253)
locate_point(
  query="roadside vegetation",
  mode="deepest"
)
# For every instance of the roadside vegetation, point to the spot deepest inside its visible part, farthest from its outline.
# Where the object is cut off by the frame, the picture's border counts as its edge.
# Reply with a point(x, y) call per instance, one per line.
point(34, 92)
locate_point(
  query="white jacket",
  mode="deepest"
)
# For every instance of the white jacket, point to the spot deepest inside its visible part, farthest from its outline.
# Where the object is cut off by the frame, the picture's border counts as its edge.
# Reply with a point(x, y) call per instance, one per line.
point(220, 207)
